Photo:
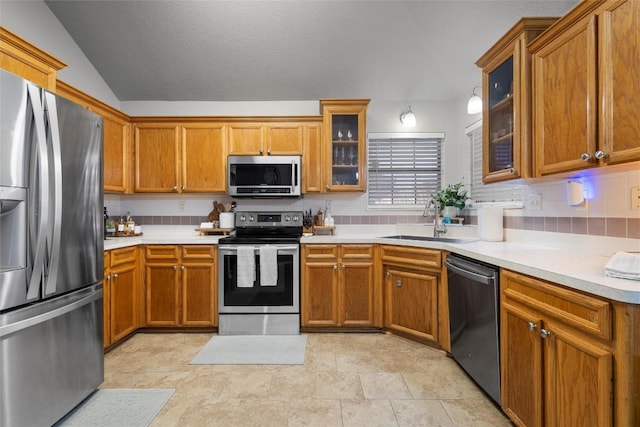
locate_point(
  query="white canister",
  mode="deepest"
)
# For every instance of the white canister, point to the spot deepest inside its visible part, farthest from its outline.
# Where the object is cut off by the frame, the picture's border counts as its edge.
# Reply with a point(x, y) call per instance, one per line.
point(490, 226)
point(227, 219)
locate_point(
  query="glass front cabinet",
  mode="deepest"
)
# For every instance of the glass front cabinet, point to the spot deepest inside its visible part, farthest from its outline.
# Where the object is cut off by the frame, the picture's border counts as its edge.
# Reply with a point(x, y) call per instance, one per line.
point(344, 124)
point(506, 103)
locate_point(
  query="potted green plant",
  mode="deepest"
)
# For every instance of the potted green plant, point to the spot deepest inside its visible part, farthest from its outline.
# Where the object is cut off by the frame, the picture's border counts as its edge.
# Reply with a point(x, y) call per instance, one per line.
point(111, 226)
point(451, 199)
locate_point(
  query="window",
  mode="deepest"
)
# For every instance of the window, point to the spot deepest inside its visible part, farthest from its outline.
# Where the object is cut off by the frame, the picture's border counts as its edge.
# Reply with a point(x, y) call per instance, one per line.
point(480, 192)
point(404, 169)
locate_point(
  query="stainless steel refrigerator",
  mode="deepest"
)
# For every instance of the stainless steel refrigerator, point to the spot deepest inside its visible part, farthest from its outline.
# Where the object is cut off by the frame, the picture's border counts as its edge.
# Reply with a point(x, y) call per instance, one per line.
point(51, 254)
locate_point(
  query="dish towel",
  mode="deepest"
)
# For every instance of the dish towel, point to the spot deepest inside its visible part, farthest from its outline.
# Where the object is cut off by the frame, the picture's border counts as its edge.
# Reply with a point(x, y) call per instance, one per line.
point(624, 265)
point(246, 267)
point(268, 265)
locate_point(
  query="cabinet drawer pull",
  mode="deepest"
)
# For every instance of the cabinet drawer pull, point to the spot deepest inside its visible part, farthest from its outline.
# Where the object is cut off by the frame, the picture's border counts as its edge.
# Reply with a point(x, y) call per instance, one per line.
point(532, 326)
point(544, 333)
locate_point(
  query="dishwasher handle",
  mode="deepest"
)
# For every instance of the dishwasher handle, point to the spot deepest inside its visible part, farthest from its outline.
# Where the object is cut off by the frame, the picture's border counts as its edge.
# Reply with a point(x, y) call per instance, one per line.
point(479, 277)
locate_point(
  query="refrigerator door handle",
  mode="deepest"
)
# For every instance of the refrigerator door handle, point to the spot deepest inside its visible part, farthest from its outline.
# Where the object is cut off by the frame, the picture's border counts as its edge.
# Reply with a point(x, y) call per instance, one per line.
point(40, 156)
point(41, 318)
point(55, 196)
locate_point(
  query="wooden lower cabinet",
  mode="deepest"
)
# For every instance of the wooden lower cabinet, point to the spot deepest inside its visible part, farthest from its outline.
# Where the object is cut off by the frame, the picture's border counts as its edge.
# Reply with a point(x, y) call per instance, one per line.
point(411, 291)
point(179, 286)
point(121, 294)
point(557, 355)
point(339, 288)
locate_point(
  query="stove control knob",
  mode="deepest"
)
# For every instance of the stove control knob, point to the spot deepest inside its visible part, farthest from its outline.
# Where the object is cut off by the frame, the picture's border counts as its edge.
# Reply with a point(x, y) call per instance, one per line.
point(287, 218)
point(251, 218)
point(295, 218)
point(242, 218)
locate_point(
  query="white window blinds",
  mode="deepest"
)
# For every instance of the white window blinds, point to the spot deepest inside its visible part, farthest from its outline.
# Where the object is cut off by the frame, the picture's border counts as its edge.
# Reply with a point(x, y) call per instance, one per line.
point(404, 169)
point(493, 192)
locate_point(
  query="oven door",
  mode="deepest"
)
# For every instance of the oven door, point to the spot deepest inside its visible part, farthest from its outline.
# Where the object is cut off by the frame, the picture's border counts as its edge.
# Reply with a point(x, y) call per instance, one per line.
point(284, 297)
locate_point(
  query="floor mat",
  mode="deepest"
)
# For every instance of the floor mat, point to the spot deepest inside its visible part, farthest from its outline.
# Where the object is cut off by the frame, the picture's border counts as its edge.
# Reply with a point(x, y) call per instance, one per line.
point(253, 350)
point(117, 408)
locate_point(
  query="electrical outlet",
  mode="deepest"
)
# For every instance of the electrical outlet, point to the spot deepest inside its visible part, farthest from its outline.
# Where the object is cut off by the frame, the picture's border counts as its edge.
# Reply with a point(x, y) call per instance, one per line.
point(635, 198)
point(181, 205)
point(535, 201)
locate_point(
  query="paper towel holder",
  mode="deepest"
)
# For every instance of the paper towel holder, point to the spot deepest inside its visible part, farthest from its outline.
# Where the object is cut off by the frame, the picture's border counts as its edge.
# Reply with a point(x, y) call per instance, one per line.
point(575, 193)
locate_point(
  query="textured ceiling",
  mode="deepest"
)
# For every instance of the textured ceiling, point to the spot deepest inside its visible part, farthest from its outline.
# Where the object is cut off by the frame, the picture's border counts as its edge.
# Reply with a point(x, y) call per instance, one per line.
point(291, 50)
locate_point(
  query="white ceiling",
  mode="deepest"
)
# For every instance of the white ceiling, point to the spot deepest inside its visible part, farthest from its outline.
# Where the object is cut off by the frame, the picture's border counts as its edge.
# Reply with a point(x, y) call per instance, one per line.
point(291, 50)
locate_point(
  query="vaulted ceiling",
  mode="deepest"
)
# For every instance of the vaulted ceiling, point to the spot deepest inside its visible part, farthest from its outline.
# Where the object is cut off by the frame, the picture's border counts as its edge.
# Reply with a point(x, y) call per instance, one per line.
point(291, 50)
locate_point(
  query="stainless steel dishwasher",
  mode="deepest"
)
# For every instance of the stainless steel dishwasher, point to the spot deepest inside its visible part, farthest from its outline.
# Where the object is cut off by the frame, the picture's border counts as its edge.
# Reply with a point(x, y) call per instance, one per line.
point(474, 310)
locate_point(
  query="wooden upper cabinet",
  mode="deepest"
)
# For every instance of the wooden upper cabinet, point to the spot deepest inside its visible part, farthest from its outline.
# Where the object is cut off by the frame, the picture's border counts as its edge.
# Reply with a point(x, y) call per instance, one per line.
point(157, 154)
point(246, 139)
point(284, 138)
point(265, 139)
point(117, 155)
point(344, 144)
point(584, 70)
point(204, 157)
point(312, 159)
point(23, 59)
point(619, 53)
point(506, 89)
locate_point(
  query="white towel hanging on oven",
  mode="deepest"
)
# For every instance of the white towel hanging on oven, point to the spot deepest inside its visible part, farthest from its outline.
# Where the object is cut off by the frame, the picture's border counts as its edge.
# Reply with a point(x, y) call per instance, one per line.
point(246, 266)
point(268, 265)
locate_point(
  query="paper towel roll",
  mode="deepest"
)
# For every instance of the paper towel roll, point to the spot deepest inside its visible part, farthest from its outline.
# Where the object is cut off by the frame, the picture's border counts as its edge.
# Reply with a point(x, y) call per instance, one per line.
point(227, 219)
point(490, 223)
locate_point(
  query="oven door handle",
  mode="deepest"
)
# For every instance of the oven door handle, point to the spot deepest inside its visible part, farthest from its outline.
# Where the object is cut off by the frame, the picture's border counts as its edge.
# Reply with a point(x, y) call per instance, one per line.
point(257, 249)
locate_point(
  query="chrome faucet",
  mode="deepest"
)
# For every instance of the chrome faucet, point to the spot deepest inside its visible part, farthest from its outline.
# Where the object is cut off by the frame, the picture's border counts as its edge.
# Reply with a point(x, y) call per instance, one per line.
point(433, 204)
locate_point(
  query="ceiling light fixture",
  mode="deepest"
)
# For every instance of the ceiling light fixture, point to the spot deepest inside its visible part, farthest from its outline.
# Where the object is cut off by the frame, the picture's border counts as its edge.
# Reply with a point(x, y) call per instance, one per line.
point(474, 105)
point(408, 119)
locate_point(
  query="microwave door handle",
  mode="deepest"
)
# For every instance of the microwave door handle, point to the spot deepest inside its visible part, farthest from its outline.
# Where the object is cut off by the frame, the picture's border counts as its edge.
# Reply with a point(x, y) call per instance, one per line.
point(294, 171)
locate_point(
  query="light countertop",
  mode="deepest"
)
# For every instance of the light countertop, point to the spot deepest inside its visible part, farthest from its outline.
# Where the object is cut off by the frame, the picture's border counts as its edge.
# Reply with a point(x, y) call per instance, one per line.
point(575, 270)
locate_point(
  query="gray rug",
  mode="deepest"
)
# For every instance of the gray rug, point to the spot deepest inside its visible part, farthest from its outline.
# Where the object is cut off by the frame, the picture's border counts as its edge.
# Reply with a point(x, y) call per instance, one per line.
point(253, 350)
point(118, 408)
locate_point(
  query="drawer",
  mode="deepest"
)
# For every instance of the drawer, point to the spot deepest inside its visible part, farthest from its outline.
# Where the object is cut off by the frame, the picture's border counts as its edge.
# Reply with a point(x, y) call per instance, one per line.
point(123, 256)
point(319, 252)
point(162, 252)
point(583, 312)
point(198, 252)
point(412, 257)
point(356, 252)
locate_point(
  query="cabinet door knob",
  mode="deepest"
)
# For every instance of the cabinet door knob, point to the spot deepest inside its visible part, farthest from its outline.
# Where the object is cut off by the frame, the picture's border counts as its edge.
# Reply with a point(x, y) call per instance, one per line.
point(182, 188)
point(175, 267)
point(532, 326)
point(544, 333)
point(398, 283)
point(335, 266)
point(343, 266)
point(600, 154)
point(269, 152)
point(175, 188)
point(327, 187)
point(388, 274)
point(182, 267)
point(261, 152)
point(116, 275)
point(108, 277)
point(585, 157)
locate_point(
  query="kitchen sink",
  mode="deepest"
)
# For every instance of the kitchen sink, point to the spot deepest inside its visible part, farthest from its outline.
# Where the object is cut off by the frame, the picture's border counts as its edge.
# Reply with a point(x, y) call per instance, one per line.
point(430, 239)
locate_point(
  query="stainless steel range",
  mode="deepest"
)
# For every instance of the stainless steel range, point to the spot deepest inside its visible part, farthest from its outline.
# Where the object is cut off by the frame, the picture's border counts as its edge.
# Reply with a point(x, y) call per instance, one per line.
point(259, 275)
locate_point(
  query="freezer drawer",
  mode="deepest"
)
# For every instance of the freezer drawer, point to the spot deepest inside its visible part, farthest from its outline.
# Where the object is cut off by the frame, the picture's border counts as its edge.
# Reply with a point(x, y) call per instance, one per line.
point(51, 358)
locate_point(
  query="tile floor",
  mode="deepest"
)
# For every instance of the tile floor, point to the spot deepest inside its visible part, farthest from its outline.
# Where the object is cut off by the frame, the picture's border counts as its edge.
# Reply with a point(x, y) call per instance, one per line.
point(346, 380)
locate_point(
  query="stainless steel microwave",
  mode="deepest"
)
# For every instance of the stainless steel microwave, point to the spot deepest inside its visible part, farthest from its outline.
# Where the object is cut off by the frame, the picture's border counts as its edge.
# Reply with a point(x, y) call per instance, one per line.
point(263, 176)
